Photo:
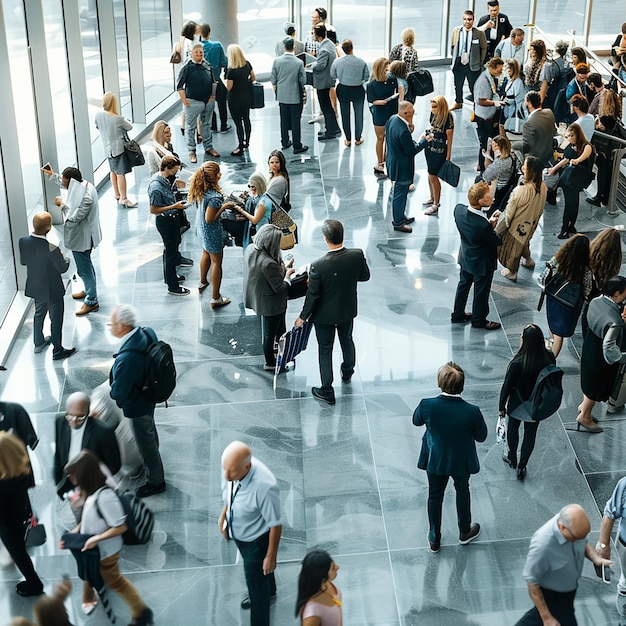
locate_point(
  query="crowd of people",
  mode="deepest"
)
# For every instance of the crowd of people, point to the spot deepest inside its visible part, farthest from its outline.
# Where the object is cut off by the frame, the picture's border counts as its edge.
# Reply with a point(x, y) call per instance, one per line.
point(104, 439)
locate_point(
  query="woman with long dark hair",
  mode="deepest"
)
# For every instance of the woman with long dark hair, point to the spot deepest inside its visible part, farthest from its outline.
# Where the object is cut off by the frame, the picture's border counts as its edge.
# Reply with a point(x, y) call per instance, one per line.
point(519, 220)
point(519, 382)
point(572, 262)
point(278, 187)
point(15, 508)
point(205, 191)
point(602, 351)
point(319, 600)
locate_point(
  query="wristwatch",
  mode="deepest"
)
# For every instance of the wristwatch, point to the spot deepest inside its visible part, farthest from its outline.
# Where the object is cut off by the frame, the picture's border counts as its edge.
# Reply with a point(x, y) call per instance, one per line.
point(602, 546)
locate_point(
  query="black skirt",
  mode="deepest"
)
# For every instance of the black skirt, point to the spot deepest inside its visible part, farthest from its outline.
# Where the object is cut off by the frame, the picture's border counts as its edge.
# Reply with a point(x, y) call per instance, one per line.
point(597, 377)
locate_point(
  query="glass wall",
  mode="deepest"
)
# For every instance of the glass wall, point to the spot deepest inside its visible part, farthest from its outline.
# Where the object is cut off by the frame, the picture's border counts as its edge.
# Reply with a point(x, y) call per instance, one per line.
point(8, 280)
point(426, 19)
point(363, 24)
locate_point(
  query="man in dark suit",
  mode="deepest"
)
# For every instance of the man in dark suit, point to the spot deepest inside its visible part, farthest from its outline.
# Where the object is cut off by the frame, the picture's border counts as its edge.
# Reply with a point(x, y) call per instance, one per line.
point(496, 27)
point(44, 265)
point(76, 431)
point(401, 151)
point(469, 48)
point(449, 450)
point(477, 257)
point(127, 379)
point(537, 131)
point(331, 303)
point(288, 79)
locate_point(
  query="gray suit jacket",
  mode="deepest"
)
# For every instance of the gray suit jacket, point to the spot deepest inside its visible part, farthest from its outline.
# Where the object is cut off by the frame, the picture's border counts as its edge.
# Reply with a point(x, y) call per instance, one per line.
point(478, 48)
point(321, 68)
point(265, 290)
point(537, 133)
point(288, 78)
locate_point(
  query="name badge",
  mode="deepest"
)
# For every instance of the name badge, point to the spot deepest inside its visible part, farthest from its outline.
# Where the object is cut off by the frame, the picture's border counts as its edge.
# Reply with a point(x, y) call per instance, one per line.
point(475, 40)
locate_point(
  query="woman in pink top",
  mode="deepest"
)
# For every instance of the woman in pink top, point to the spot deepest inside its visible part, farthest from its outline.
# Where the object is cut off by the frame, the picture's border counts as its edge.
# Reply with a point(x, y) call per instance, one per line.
point(319, 601)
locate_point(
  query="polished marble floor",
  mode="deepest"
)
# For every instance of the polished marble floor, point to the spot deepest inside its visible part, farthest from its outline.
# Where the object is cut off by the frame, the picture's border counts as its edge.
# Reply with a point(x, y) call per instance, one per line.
point(347, 473)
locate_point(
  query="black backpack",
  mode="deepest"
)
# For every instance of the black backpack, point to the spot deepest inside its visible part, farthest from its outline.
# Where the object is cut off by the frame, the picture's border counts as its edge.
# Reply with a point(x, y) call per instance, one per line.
point(139, 518)
point(420, 83)
point(160, 371)
point(545, 399)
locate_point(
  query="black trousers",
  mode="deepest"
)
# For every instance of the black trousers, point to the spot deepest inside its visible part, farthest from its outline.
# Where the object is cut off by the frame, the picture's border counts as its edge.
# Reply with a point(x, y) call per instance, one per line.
point(55, 309)
point(436, 490)
point(273, 326)
point(13, 539)
point(169, 229)
point(147, 440)
point(605, 169)
point(485, 129)
point(241, 119)
point(356, 96)
point(461, 73)
point(560, 604)
point(260, 586)
point(571, 196)
point(290, 115)
point(528, 442)
point(220, 97)
point(330, 120)
point(480, 305)
point(325, 339)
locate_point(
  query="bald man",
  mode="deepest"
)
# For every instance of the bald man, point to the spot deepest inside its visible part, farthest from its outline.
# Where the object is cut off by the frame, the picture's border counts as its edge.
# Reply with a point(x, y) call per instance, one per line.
point(76, 431)
point(44, 265)
point(554, 564)
point(251, 517)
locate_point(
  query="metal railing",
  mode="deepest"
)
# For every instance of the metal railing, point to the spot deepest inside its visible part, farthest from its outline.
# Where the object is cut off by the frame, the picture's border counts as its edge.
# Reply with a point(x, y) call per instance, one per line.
point(617, 190)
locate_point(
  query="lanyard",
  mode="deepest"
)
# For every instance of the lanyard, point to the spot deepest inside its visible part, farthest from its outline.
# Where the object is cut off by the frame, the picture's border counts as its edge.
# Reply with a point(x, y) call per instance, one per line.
point(233, 494)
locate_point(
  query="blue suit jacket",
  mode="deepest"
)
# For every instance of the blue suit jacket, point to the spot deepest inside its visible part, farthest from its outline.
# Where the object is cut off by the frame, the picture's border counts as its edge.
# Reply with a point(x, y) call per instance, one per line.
point(452, 428)
point(401, 150)
point(478, 253)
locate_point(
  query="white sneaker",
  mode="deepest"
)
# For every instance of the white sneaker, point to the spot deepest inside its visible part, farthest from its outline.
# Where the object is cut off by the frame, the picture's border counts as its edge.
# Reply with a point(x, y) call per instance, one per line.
point(611, 408)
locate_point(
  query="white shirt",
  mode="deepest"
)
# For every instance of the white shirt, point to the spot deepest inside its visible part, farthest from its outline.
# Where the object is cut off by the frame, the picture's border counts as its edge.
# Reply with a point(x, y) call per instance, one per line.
point(76, 440)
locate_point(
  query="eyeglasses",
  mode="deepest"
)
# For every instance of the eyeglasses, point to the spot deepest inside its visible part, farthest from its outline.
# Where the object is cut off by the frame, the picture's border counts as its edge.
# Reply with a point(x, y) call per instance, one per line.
point(251, 187)
point(75, 418)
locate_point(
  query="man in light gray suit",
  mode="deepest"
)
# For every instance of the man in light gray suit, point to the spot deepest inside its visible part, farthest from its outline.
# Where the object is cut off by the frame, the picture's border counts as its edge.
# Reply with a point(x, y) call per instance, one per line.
point(288, 79)
point(81, 231)
point(469, 48)
point(537, 131)
point(323, 82)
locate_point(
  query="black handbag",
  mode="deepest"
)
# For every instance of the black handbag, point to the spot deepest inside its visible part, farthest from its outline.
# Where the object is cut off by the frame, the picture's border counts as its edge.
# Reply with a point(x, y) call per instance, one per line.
point(576, 176)
point(258, 96)
point(561, 290)
point(298, 286)
point(133, 152)
point(450, 173)
point(34, 533)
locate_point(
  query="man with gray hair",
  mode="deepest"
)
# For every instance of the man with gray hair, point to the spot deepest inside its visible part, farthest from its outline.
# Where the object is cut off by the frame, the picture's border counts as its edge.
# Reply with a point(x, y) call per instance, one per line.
point(127, 378)
point(554, 565)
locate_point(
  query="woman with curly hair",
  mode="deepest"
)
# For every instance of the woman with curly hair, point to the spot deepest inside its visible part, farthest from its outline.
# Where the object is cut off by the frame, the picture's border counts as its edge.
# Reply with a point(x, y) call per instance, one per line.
point(535, 79)
point(519, 220)
point(205, 191)
point(572, 262)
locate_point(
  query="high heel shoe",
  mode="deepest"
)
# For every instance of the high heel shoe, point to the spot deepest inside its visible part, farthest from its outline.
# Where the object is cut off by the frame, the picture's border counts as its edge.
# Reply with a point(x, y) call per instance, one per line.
point(583, 428)
point(521, 473)
point(580, 409)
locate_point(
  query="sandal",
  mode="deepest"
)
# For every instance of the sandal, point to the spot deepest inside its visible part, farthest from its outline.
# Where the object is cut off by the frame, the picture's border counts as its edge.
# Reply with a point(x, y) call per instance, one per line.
point(202, 286)
point(433, 210)
point(528, 263)
point(507, 274)
point(192, 157)
point(221, 301)
point(358, 142)
point(428, 202)
point(348, 143)
point(89, 607)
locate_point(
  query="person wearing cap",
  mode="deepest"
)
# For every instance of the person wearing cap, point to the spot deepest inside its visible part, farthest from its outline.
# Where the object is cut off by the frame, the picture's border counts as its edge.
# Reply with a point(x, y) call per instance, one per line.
point(496, 27)
point(298, 46)
point(288, 79)
point(578, 84)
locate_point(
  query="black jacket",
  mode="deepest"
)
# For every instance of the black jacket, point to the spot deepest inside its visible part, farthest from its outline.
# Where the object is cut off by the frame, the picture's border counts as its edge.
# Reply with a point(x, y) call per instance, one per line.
point(197, 80)
point(44, 265)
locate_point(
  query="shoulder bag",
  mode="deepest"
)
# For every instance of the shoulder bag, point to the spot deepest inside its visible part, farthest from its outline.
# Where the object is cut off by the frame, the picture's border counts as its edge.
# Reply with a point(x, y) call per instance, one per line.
point(133, 151)
point(450, 173)
point(281, 219)
point(576, 176)
point(551, 180)
point(561, 290)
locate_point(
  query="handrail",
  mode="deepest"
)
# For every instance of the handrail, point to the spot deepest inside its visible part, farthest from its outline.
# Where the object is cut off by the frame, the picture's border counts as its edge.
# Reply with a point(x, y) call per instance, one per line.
point(611, 137)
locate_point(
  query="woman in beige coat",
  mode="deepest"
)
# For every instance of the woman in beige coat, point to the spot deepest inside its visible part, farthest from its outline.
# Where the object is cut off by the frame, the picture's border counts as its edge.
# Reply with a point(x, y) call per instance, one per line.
point(518, 222)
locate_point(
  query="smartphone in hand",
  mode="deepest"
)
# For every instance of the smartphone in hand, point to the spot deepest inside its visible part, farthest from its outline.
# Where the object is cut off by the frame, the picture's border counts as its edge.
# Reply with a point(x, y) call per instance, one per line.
point(47, 167)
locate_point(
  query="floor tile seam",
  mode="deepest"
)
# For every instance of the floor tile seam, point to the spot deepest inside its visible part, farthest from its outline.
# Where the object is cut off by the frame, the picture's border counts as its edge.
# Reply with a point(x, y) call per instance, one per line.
point(382, 510)
point(480, 541)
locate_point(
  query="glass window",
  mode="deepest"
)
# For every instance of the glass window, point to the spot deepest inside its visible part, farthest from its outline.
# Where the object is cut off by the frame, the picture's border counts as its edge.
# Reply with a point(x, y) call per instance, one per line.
point(426, 19)
point(156, 45)
point(59, 82)
point(119, 16)
point(364, 28)
point(555, 19)
point(8, 280)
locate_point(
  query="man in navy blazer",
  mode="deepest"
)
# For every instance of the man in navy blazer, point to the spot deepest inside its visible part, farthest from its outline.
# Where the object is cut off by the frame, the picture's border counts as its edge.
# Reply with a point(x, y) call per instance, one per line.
point(449, 450)
point(44, 265)
point(127, 378)
point(478, 257)
point(401, 151)
point(331, 303)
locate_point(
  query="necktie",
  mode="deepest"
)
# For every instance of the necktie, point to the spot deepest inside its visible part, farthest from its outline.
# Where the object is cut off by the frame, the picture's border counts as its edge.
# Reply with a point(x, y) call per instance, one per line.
point(233, 493)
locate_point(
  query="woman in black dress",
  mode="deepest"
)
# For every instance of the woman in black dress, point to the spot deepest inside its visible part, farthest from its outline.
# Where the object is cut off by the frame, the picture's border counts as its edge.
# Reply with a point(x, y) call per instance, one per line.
point(380, 91)
point(602, 351)
point(15, 508)
point(239, 78)
point(518, 385)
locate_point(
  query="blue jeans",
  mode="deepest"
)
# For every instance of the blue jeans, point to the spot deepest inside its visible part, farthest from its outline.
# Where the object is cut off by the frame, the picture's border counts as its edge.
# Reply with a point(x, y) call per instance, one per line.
point(204, 110)
point(85, 270)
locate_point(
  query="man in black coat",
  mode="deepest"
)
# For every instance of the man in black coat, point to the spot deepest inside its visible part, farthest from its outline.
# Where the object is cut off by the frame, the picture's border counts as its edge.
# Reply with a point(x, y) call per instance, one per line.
point(44, 265)
point(331, 303)
point(496, 27)
point(449, 450)
point(76, 431)
point(478, 257)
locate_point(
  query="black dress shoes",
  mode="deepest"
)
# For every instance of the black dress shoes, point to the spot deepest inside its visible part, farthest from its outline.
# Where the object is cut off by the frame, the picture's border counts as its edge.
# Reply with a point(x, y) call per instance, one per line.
point(319, 395)
point(63, 354)
point(465, 538)
point(461, 320)
point(521, 473)
point(300, 150)
point(27, 589)
point(488, 325)
point(595, 201)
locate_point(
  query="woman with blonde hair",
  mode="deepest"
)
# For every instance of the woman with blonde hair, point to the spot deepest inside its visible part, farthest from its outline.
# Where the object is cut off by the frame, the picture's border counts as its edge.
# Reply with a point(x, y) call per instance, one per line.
point(113, 127)
point(380, 90)
point(405, 51)
point(239, 78)
point(15, 509)
point(205, 191)
point(438, 149)
point(519, 220)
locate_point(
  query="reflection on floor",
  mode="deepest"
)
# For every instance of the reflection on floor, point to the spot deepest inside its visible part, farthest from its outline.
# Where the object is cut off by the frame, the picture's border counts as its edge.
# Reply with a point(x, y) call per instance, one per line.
point(347, 473)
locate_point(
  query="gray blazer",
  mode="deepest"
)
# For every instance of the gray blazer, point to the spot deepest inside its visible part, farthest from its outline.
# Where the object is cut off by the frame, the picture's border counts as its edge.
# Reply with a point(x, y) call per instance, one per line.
point(478, 48)
point(537, 133)
point(321, 68)
point(288, 78)
point(111, 129)
point(264, 287)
